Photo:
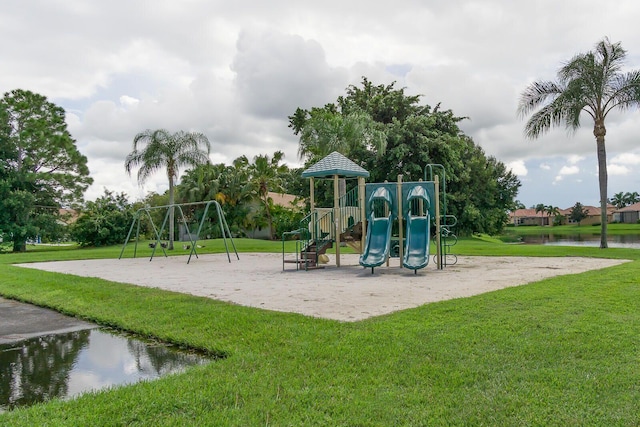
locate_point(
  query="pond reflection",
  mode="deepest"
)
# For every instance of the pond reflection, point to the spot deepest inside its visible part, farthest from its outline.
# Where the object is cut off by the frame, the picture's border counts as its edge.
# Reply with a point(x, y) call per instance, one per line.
point(65, 365)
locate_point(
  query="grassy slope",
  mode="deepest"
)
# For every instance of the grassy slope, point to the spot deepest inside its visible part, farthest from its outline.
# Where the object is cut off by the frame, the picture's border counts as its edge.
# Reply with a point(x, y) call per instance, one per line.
point(562, 351)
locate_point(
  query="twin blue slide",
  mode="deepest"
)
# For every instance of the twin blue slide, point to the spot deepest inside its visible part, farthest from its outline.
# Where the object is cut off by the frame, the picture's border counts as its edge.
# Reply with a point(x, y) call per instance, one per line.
point(378, 240)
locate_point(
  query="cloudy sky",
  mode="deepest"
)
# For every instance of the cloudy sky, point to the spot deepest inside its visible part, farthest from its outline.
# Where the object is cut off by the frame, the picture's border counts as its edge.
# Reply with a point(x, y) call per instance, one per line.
point(235, 70)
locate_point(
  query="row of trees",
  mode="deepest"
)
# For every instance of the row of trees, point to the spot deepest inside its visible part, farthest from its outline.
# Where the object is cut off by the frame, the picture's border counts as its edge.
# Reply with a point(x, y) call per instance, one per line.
point(620, 200)
point(379, 127)
point(241, 189)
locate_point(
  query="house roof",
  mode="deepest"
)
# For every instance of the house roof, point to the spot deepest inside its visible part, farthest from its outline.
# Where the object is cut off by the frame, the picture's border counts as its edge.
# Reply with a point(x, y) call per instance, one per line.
point(527, 213)
point(631, 208)
point(335, 164)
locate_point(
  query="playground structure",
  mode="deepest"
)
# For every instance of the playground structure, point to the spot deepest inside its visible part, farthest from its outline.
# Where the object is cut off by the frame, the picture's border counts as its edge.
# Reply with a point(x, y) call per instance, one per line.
point(366, 217)
point(192, 237)
point(410, 205)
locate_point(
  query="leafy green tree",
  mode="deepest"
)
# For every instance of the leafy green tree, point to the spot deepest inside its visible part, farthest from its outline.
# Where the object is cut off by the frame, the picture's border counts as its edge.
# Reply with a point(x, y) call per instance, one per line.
point(104, 222)
point(158, 149)
point(41, 168)
point(593, 83)
point(578, 213)
point(480, 189)
point(286, 219)
point(293, 183)
point(325, 130)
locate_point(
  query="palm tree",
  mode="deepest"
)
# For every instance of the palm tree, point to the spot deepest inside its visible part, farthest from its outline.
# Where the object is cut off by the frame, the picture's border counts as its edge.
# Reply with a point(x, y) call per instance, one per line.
point(619, 200)
point(591, 82)
point(200, 184)
point(631, 198)
point(540, 207)
point(552, 211)
point(266, 175)
point(157, 149)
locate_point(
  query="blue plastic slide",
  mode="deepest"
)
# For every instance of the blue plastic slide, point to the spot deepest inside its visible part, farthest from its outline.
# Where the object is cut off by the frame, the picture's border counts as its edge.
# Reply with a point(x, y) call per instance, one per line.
point(378, 240)
point(416, 253)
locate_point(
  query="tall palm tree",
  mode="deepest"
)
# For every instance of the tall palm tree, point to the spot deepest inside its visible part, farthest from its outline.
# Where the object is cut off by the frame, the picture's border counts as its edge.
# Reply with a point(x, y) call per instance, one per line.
point(593, 83)
point(266, 175)
point(158, 149)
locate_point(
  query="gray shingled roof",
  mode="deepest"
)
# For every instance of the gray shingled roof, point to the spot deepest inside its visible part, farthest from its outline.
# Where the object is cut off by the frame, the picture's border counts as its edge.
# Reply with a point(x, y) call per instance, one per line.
point(335, 164)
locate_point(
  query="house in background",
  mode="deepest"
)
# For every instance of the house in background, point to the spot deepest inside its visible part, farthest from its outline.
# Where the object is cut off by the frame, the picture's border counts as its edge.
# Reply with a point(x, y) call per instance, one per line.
point(531, 217)
point(593, 215)
point(628, 215)
point(528, 217)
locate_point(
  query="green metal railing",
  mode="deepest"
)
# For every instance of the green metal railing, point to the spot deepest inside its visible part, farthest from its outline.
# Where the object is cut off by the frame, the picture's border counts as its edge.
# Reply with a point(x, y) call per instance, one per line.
point(317, 228)
point(447, 238)
point(302, 235)
point(349, 210)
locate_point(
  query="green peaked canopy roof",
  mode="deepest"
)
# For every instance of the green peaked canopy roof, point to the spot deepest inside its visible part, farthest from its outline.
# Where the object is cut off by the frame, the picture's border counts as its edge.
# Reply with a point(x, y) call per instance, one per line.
point(335, 164)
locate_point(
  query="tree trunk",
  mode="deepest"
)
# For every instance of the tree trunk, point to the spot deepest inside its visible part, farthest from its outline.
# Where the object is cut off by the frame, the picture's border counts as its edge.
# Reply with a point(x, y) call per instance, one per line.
point(269, 218)
point(599, 131)
point(171, 214)
point(19, 245)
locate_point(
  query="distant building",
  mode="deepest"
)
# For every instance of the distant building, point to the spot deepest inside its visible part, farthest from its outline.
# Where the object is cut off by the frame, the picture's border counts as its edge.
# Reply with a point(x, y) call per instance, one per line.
point(593, 215)
point(528, 217)
point(531, 217)
point(628, 215)
point(286, 200)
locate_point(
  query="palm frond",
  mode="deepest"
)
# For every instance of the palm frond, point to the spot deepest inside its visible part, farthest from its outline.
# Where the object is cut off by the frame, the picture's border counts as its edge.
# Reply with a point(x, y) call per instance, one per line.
point(625, 92)
point(536, 94)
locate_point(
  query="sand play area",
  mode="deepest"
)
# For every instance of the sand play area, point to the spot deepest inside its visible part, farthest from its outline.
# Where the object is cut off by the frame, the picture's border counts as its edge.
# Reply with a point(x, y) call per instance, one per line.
point(347, 293)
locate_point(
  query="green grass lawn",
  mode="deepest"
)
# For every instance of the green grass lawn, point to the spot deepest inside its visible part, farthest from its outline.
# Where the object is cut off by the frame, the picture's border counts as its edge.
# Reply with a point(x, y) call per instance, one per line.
point(563, 351)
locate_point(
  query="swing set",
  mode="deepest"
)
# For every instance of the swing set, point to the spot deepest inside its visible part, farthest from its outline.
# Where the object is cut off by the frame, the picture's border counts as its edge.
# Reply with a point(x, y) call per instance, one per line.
point(193, 238)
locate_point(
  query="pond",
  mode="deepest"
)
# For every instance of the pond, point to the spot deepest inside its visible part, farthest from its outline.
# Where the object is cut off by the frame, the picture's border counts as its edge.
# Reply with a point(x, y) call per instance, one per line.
point(65, 365)
point(615, 241)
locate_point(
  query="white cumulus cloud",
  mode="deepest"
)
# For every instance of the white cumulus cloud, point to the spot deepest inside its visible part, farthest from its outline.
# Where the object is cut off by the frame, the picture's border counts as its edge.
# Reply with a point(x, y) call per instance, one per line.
point(615, 169)
point(626, 159)
point(569, 170)
point(518, 167)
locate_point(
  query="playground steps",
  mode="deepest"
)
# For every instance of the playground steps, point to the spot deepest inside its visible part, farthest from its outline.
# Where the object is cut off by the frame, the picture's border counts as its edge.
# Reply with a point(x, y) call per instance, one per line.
point(352, 236)
point(355, 245)
point(314, 249)
point(308, 264)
